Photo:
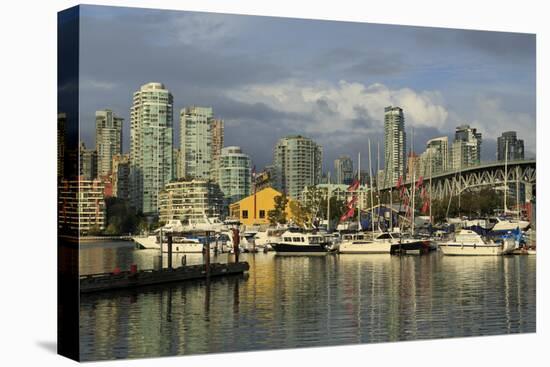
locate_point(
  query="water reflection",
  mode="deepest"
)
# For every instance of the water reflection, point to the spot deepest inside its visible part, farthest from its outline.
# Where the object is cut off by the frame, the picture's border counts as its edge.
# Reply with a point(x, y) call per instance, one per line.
point(307, 301)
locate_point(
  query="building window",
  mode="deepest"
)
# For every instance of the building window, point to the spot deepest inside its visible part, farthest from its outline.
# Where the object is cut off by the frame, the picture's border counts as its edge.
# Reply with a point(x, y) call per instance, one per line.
point(262, 214)
point(245, 214)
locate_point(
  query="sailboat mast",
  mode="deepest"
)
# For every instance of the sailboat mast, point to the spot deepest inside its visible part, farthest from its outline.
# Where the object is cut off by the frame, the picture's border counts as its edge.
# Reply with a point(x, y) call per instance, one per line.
point(328, 203)
point(517, 193)
point(413, 186)
point(505, 175)
point(376, 176)
point(391, 208)
point(430, 197)
point(359, 190)
point(370, 189)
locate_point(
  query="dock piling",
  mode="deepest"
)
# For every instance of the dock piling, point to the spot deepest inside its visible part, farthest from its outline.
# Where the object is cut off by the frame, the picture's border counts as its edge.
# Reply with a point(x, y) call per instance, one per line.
point(206, 246)
point(169, 244)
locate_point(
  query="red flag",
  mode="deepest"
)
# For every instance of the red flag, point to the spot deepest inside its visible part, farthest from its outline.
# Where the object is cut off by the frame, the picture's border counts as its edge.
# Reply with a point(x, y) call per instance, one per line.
point(425, 207)
point(402, 191)
point(354, 185)
point(352, 202)
point(423, 193)
point(420, 181)
point(347, 214)
point(399, 182)
point(406, 201)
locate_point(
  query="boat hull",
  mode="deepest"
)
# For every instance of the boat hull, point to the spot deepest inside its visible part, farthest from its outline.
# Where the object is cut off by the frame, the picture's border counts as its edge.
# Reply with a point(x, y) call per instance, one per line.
point(471, 250)
point(365, 247)
point(409, 246)
point(283, 248)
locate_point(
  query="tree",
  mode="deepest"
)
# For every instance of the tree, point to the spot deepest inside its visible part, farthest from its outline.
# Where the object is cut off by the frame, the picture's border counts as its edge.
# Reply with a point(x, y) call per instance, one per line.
point(278, 214)
point(337, 209)
point(121, 218)
point(300, 214)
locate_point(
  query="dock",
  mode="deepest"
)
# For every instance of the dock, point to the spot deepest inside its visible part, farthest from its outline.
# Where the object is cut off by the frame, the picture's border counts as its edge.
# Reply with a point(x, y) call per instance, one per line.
point(133, 278)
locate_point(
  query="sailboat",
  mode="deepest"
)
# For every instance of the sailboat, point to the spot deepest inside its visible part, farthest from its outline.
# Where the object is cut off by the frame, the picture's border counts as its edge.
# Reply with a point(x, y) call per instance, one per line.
point(505, 224)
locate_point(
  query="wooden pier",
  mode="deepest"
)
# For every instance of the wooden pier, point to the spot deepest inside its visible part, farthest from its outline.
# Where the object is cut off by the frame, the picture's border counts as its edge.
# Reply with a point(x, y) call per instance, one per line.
point(130, 279)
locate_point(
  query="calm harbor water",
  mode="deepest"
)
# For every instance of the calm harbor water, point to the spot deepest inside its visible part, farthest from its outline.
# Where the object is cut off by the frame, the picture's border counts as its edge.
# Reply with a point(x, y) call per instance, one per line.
point(302, 301)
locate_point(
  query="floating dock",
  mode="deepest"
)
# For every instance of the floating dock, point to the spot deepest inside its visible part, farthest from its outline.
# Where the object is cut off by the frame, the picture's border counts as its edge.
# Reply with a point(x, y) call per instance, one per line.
point(133, 278)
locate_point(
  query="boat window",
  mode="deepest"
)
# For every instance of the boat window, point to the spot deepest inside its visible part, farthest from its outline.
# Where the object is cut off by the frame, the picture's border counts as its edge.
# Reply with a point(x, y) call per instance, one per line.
point(288, 239)
point(384, 236)
point(296, 239)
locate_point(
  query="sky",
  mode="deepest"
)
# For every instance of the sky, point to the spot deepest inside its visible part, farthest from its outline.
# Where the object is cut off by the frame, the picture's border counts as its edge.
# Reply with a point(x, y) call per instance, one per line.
point(269, 77)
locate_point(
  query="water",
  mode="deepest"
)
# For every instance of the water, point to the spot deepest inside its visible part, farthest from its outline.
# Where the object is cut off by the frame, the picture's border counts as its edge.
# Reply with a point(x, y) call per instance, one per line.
point(299, 301)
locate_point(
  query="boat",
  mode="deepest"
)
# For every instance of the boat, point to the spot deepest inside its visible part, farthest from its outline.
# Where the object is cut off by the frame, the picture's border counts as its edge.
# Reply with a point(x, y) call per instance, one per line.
point(297, 243)
point(506, 225)
point(382, 243)
point(147, 242)
point(468, 242)
point(363, 243)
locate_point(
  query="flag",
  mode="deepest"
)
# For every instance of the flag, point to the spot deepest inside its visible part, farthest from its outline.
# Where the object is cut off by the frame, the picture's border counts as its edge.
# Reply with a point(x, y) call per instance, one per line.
point(425, 207)
point(423, 193)
point(354, 185)
point(399, 182)
point(352, 202)
point(347, 214)
point(420, 181)
point(402, 191)
point(406, 201)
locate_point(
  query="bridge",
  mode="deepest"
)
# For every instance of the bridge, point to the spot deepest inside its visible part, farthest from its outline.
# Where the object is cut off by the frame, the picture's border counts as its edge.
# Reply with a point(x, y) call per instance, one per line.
point(489, 174)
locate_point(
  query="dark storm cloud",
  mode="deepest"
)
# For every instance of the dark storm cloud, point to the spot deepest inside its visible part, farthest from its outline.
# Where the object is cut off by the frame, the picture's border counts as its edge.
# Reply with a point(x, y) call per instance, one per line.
point(502, 46)
point(363, 119)
point(203, 59)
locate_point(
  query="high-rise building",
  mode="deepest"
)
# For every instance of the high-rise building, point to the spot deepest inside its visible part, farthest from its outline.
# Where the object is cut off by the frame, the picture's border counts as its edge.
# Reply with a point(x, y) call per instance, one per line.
point(177, 164)
point(217, 128)
point(120, 176)
point(190, 200)
point(81, 206)
point(436, 156)
point(297, 162)
point(466, 148)
point(234, 174)
point(343, 167)
point(196, 141)
point(108, 140)
point(87, 162)
point(515, 146)
point(151, 144)
point(394, 143)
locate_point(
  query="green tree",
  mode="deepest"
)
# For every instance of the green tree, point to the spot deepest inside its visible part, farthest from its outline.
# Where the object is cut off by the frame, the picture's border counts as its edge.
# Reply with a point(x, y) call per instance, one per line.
point(300, 214)
point(278, 214)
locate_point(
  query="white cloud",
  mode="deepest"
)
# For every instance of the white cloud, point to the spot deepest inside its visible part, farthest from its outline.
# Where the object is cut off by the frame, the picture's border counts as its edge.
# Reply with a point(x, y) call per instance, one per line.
point(492, 118)
point(346, 106)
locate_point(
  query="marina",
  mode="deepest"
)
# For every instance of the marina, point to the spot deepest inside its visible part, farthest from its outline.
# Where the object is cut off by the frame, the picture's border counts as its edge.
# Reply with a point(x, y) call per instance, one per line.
point(301, 301)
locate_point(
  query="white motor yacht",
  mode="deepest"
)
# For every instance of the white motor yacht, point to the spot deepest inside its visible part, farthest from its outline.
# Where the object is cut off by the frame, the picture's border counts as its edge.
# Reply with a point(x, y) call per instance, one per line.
point(468, 242)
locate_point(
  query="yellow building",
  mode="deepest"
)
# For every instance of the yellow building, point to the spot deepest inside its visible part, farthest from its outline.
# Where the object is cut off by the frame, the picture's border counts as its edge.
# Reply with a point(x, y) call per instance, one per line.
point(254, 209)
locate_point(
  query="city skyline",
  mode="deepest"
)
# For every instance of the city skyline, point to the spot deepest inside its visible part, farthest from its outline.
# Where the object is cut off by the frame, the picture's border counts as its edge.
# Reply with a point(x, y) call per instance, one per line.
point(330, 91)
